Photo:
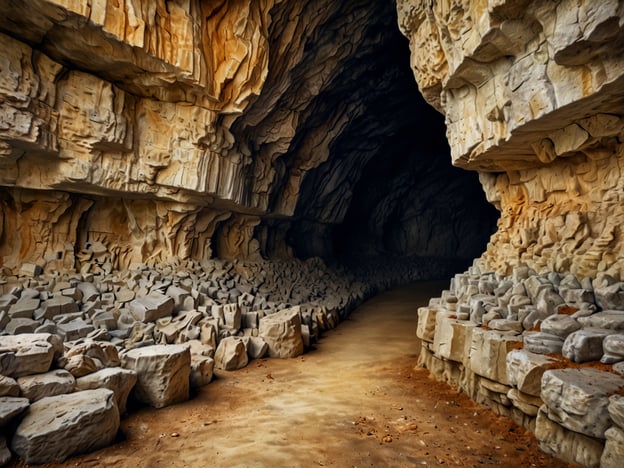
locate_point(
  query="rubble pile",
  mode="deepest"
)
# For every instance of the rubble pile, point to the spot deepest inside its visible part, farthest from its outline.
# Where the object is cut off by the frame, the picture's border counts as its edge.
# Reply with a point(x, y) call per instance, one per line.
point(546, 350)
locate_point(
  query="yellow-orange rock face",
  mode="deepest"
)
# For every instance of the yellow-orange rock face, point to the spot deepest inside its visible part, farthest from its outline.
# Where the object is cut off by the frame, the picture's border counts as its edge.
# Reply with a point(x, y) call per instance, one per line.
point(533, 93)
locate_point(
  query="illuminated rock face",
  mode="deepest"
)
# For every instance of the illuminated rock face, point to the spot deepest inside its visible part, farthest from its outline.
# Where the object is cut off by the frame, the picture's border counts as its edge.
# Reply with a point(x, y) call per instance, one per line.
point(532, 92)
point(200, 129)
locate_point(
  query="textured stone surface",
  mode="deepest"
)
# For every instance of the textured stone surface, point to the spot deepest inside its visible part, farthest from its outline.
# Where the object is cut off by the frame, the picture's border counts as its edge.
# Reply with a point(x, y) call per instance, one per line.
point(525, 370)
point(27, 353)
point(282, 333)
point(231, 354)
point(163, 373)
point(578, 398)
point(55, 382)
point(488, 353)
point(60, 426)
point(11, 407)
point(119, 380)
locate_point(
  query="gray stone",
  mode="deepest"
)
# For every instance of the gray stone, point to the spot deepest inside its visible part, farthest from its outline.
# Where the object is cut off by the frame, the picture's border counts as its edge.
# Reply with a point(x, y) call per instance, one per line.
point(27, 353)
point(163, 373)
point(18, 326)
point(151, 307)
point(89, 291)
point(24, 308)
point(560, 325)
point(613, 347)
point(119, 380)
point(506, 325)
point(11, 407)
point(611, 319)
point(569, 446)
point(282, 333)
point(75, 329)
point(585, 344)
point(542, 343)
point(232, 316)
point(613, 453)
point(256, 346)
point(610, 297)
point(55, 382)
point(547, 301)
point(231, 354)
point(58, 305)
point(58, 427)
point(578, 398)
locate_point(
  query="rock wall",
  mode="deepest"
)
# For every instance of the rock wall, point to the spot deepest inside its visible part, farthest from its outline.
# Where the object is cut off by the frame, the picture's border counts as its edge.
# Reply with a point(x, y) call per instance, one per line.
point(532, 94)
point(203, 129)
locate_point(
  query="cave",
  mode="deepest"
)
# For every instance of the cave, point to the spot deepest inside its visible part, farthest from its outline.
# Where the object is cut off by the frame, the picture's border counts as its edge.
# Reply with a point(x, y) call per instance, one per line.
point(199, 185)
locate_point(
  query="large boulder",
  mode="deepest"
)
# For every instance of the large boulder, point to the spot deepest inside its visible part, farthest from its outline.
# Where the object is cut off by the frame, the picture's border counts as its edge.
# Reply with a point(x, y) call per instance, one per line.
point(163, 373)
point(29, 353)
point(58, 427)
point(282, 333)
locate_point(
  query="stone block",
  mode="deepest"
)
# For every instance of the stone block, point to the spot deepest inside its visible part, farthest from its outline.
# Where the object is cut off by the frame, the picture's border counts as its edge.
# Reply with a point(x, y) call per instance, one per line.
point(163, 373)
point(231, 354)
point(74, 329)
point(528, 404)
point(119, 380)
point(58, 427)
point(55, 382)
point(488, 352)
point(610, 297)
point(616, 409)
point(282, 333)
point(201, 370)
point(578, 398)
point(567, 445)
point(10, 407)
point(585, 344)
point(560, 325)
point(542, 343)
point(232, 316)
point(20, 326)
point(610, 319)
point(27, 353)
point(451, 337)
point(24, 308)
point(525, 370)
point(151, 307)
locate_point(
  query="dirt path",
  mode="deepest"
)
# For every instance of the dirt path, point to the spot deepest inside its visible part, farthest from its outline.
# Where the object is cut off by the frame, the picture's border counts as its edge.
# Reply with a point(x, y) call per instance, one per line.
point(354, 401)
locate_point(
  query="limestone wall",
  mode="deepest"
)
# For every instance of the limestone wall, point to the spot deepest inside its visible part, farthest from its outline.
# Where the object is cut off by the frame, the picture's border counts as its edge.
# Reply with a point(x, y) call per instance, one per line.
point(532, 92)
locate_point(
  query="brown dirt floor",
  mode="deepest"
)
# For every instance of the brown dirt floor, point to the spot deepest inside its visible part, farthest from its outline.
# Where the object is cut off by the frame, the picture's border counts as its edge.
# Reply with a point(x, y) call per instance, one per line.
point(354, 401)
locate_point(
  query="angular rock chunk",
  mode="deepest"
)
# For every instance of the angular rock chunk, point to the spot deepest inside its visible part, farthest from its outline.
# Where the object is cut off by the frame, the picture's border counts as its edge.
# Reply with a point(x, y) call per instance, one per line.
point(616, 409)
point(8, 386)
point(231, 354)
point(585, 344)
point(27, 353)
point(611, 319)
point(201, 370)
point(60, 426)
point(578, 398)
point(24, 308)
point(488, 353)
point(119, 380)
point(55, 382)
point(610, 297)
point(151, 307)
point(560, 325)
point(525, 370)
point(256, 346)
point(282, 333)
point(11, 407)
point(163, 373)
point(452, 337)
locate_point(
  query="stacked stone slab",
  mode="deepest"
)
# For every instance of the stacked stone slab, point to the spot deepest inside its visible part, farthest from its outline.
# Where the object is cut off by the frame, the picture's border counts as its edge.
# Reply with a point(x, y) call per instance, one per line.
point(545, 350)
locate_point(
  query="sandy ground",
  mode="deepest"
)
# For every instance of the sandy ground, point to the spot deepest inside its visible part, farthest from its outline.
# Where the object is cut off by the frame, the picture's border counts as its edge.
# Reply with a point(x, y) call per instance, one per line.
point(354, 401)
